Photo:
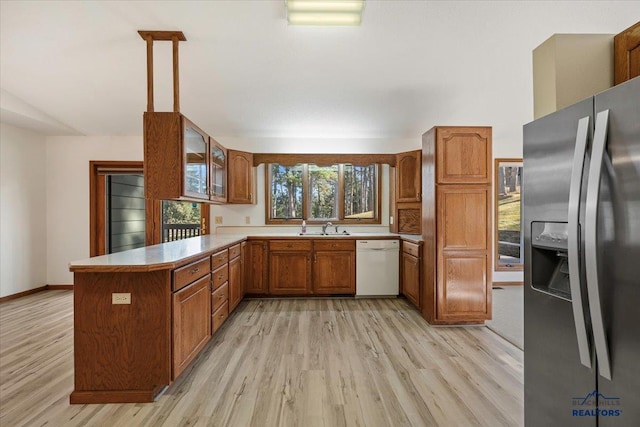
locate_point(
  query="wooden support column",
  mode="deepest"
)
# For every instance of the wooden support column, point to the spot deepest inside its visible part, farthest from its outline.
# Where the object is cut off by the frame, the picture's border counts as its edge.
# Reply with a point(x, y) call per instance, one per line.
point(176, 81)
point(175, 37)
point(149, 73)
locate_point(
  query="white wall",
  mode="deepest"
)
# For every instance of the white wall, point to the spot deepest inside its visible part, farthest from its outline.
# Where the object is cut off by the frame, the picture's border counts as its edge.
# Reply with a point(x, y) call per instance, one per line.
point(22, 210)
point(67, 188)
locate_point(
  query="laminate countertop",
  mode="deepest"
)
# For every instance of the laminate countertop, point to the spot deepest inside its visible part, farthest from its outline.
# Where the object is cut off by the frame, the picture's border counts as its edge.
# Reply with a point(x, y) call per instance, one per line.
point(157, 257)
point(171, 255)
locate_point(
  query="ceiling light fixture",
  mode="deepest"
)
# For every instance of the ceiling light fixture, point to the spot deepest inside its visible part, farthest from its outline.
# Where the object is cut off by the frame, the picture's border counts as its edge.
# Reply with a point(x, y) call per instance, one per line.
point(324, 12)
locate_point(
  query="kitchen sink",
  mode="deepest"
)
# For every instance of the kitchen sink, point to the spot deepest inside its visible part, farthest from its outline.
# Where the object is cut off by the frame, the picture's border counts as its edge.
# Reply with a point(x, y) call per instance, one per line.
point(319, 233)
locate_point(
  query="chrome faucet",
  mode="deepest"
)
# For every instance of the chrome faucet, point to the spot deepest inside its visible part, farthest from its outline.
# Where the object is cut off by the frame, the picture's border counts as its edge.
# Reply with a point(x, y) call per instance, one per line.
point(324, 227)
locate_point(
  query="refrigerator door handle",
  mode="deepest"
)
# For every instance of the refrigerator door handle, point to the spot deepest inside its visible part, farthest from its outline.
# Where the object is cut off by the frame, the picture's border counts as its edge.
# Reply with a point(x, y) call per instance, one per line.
point(591, 253)
point(574, 241)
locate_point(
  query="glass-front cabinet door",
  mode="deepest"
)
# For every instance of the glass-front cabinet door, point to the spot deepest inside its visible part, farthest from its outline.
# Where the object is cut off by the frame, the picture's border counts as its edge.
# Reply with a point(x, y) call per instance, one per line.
point(218, 171)
point(195, 162)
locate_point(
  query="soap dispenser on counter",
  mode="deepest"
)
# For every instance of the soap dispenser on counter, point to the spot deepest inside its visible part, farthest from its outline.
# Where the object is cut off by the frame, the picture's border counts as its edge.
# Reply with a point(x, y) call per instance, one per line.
point(304, 227)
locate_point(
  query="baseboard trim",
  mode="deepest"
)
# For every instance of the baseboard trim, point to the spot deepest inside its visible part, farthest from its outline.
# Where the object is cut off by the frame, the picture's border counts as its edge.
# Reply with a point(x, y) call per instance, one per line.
point(497, 284)
point(59, 287)
point(35, 290)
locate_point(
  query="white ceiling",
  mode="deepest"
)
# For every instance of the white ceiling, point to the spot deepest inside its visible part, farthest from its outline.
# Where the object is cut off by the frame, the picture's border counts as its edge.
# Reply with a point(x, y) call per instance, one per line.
point(78, 67)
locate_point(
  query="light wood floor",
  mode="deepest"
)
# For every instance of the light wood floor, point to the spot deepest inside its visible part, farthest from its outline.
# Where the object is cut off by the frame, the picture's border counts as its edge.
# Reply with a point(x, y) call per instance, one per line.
point(330, 362)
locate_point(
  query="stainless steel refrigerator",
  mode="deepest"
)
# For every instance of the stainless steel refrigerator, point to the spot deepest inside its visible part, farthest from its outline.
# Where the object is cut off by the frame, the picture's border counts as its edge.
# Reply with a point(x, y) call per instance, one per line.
point(581, 219)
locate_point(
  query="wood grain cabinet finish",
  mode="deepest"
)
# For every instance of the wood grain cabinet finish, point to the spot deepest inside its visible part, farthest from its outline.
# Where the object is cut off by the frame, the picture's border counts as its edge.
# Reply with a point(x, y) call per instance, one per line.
point(219, 259)
point(406, 192)
point(220, 276)
point(217, 171)
point(410, 272)
point(173, 145)
point(456, 225)
point(235, 282)
point(122, 353)
point(256, 268)
point(334, 267)
point(128, 353)
point(408, 176)
point(626, 47)
point(463, 155)
point(219, 317)
point(182, 162)
point(219, 296)
point(241, 178)
point(191, 323)
point(289, 267)
point(189, 273)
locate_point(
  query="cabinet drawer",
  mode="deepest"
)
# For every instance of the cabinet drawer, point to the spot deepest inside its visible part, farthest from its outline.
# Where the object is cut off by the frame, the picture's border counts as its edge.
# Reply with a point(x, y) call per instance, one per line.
point(219, 316)
point(219, 259)
point(290, 245)
point(411, 248)
point(234, 252)
point(334, 245)
point(190, 272)
point(220, 276)
point(219, 297)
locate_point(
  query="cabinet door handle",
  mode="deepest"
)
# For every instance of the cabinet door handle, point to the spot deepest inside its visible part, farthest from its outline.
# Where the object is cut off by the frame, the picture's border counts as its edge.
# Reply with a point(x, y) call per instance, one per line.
point(315, 257)
point(195, 270)
point(221, 296)
point(220, 277)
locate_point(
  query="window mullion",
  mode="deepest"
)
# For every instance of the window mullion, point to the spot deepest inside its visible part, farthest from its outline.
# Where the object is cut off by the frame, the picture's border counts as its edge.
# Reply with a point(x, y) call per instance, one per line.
point(305, 192)
point(341, 191)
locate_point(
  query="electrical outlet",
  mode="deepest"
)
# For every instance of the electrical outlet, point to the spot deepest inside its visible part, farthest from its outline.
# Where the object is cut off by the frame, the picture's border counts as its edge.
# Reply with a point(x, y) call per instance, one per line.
point(247, 220)
point(218, 220)
point(391, 220)
point(121, 298)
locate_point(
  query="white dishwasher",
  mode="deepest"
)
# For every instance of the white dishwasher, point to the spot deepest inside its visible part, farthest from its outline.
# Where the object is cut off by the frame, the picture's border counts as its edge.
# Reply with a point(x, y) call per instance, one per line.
point(377, 267)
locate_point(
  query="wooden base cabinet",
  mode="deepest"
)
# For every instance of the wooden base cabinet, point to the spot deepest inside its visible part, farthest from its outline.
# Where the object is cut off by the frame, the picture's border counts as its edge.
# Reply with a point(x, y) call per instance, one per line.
point(191, 323)
point(122, 352)
point(235, 277)
point(410, 272)
point(256, 268)
point(456, 225)
point(334, 267)
point(289, 267)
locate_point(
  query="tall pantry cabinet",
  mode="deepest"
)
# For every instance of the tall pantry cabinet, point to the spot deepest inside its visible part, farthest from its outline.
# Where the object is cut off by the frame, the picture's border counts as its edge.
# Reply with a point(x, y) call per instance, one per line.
point(456, 224)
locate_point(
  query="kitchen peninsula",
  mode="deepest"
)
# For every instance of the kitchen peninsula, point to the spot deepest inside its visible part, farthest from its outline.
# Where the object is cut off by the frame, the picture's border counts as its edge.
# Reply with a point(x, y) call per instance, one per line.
point(142, 316)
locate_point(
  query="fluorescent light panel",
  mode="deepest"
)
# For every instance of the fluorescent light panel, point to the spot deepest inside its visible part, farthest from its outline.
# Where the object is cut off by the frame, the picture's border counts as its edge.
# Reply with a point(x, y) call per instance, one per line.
point(324, 12)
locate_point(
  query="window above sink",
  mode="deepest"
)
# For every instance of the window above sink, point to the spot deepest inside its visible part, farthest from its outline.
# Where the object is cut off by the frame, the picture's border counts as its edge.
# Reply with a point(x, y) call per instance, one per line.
point(340, 193)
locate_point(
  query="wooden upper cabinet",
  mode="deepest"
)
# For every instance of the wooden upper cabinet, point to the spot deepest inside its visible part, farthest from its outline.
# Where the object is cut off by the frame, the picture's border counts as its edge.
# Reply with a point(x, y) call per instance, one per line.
point(218, 169)
point(463, 155)
point(626, 48)
point(181, 162)
point(408, 176)
point(195, 145)
point(241, 178)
